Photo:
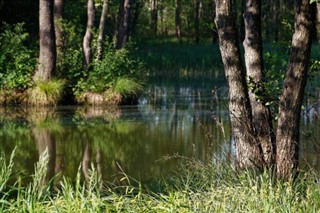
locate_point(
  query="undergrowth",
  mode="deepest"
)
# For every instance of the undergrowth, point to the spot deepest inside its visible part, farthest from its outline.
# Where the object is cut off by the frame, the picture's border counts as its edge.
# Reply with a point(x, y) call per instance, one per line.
point(195, 188)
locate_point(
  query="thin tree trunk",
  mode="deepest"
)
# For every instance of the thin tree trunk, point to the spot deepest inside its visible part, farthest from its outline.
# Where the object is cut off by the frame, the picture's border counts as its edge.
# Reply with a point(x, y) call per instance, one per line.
point(248, 150)
point(214, 31)
point(102, 24)
point(261, 116)
point(161, 14)
point(154, 17)
point(136, 10)
point(87, 49)
point(47, 57)
point(196, 21)
point(178, 18)
point(59, 32)
point(292, 95)
point(124, 25)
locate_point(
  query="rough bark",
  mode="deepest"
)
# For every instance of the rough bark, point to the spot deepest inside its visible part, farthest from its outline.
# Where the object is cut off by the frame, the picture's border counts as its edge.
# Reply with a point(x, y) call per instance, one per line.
point(154, 17)
point(196, 21)
point(261, 116)
point(292, 95)
point(178, 18)
point(102, 24)
point(248, 151)
point(87, 39)
point(47, 56)
point(123, 29)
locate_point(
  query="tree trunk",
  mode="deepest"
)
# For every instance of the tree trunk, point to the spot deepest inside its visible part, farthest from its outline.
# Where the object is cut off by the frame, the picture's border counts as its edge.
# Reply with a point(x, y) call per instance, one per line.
point(123, 29)
point(248, 150)
point(47, 56)
point(292, 95)
point(87, 50)
point(261, 116)
point(102, 24)
point(58, 17)
point(154, 17)
point(135, 11)
point(196, 21)
point(178, 19)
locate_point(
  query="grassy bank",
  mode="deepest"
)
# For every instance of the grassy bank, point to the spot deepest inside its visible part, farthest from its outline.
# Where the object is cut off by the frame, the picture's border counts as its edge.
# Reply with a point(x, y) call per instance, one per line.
point(195, 188)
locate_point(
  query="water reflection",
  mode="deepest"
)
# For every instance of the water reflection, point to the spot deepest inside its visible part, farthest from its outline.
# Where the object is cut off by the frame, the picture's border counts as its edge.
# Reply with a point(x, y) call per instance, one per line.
point(142, 141)
point(139, 141)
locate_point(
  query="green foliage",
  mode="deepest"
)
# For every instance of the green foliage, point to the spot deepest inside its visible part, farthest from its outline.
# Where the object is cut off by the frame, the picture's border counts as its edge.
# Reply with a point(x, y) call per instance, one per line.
point(70, 58)
point(47, 93)
point(16, 59)
point(126, 86)
point(115, 65)
point(276, 60)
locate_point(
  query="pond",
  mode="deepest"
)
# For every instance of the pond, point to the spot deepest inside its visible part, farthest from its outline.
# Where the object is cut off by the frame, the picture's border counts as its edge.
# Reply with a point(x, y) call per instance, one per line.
point(146, 142)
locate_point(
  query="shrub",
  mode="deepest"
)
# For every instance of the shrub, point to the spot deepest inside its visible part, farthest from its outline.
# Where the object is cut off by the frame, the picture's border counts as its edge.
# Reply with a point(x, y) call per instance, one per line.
point(16, 59)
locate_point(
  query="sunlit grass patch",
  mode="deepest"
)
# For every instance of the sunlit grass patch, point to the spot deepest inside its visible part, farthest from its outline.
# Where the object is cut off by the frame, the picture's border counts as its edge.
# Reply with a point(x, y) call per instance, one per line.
point(196, 187)
point(46, 93)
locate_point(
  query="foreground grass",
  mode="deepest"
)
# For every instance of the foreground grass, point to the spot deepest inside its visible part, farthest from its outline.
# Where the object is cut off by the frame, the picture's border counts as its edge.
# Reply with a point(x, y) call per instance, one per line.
point(195, 188)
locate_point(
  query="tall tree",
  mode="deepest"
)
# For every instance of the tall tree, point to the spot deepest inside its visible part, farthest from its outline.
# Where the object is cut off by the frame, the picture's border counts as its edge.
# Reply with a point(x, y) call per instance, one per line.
point(124, 23)
point(178, 18)
point(87, 39)
point(292, 95)
point(102, 24)
point(47, 56)
point(261, 116)
point(248, 150)
point(247, 133)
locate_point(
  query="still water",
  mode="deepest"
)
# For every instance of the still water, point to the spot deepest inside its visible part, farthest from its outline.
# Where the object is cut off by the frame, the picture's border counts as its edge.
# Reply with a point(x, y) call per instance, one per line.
point(146, 141)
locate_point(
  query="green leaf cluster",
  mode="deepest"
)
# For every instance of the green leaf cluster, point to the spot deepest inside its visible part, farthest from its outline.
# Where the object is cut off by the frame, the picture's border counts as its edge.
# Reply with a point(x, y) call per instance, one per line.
point(115, 64)
point(16, 59)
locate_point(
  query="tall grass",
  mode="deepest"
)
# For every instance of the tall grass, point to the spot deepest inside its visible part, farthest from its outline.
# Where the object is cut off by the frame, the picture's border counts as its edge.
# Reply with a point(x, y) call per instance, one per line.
point(126, 86)
point(46, 93)
point(195, 188)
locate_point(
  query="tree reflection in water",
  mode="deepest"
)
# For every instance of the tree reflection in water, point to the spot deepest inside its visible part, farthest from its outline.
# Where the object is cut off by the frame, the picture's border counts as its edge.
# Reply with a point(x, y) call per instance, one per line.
point(143, 141)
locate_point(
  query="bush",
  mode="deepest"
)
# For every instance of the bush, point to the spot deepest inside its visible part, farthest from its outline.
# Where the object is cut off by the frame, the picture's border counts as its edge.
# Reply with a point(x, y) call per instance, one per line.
point(16, 59)
point(117, 76)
